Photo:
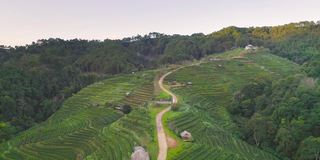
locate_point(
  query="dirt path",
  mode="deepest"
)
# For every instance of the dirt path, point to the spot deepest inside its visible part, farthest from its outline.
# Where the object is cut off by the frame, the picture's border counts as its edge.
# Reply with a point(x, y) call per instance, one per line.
point(174, 97)
point(162, 140)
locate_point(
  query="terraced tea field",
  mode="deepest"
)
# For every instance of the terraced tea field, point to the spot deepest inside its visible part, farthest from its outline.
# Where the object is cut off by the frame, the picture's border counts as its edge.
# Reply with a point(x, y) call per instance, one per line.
point(85, 128)
point(88, 126)
point(203, 104)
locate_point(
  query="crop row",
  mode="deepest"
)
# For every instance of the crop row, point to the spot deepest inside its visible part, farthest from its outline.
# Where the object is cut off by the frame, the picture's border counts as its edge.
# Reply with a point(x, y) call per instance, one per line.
point(84, 127)
point(212, 89)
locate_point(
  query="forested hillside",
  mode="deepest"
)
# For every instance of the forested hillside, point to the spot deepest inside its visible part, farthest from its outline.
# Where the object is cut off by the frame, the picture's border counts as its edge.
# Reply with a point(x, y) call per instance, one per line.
point(35, 79)
point(92, 124)
point(279, 113)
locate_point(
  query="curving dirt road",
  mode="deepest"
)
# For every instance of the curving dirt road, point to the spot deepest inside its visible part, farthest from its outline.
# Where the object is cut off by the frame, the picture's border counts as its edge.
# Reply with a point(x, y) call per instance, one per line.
point(174, 97)
point(162, 140)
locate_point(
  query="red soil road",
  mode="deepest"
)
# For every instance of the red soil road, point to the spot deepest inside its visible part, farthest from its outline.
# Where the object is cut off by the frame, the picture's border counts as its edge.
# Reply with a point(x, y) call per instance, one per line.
point(162, 140)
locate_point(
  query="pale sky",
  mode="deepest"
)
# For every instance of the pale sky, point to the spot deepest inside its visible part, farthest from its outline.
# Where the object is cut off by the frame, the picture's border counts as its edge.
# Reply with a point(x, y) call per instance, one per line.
point(25, 21)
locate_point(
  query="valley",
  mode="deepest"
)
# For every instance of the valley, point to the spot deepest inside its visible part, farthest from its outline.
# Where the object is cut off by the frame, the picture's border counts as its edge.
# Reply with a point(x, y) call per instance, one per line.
point(89, 125)
point(160, 80)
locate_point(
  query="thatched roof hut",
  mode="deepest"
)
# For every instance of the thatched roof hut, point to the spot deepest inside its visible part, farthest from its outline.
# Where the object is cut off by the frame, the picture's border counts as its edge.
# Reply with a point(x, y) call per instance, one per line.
point(140, 154)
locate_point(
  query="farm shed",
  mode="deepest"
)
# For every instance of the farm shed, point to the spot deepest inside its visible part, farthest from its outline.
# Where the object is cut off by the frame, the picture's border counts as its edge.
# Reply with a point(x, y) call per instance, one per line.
point(250, 47)
point(215, 59)
point(125, 108)
point(185, 135)
point(140, 154)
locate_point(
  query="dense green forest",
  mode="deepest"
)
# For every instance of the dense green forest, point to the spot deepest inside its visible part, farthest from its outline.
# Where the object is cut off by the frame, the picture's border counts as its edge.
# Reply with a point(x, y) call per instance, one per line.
point(35, 79)
point(282, 114)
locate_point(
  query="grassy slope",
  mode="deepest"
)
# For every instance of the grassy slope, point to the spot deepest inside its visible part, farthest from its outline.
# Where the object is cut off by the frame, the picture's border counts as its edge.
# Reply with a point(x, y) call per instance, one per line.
point(203, 113)
point(85, 128)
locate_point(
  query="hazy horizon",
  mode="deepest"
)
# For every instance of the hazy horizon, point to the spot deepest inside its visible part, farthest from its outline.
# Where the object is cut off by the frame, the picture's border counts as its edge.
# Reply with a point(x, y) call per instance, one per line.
point(28, 21)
